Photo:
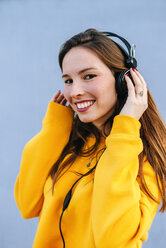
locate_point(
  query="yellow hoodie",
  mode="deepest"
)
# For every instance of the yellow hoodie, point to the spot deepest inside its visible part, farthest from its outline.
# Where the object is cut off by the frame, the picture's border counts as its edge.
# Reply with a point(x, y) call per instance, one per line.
point(107, 208)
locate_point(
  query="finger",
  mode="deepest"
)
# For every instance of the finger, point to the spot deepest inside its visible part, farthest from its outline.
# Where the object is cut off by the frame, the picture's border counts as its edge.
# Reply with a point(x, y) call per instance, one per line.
point(55, 96)
point(63, 102)
point(144, 86)
point(60, 98)
point(139, 85)
point(141, 78)
point(137, 81)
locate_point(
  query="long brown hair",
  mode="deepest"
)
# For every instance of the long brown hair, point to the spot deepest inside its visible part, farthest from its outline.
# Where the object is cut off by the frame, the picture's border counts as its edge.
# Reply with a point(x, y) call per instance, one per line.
point(153, 131)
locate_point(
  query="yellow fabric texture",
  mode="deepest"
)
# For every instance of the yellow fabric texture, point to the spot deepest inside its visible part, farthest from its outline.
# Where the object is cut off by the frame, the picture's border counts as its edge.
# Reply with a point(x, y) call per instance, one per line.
point(107, 208)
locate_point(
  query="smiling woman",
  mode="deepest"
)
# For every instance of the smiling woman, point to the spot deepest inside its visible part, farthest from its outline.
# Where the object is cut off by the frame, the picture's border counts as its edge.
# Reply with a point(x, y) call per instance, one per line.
point(86, 87)
point(95, 174)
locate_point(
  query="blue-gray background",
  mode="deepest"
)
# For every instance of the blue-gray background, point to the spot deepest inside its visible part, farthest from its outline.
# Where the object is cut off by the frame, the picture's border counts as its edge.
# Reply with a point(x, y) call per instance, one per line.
point(31, 33)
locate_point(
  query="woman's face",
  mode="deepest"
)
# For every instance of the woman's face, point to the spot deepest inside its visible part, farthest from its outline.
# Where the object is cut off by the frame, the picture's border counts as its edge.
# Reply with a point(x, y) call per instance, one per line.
point(89, 86)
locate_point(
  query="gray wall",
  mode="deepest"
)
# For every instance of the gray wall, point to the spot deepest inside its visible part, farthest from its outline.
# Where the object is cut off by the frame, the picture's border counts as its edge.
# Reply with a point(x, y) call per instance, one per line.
point(31, 33)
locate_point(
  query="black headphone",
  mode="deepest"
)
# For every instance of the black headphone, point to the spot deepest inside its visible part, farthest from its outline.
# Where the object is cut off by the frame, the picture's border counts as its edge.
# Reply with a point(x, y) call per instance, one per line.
point(130, 62)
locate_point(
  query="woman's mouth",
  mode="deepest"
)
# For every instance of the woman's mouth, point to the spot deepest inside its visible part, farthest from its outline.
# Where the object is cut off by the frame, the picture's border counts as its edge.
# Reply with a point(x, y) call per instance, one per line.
point(84, 106)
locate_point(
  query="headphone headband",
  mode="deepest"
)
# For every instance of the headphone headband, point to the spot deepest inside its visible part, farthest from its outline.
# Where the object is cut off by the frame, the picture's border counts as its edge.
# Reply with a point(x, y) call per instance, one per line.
point(130, 61)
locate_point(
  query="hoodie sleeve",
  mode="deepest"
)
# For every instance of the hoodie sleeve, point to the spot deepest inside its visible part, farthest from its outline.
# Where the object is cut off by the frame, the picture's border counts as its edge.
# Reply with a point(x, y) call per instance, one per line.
point(121, 212)
point(39, 154)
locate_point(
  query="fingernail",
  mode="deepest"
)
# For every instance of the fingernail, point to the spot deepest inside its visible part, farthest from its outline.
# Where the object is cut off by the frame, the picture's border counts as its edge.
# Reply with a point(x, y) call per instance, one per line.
point(127, 75)
point(136, 69)
point(133, 69)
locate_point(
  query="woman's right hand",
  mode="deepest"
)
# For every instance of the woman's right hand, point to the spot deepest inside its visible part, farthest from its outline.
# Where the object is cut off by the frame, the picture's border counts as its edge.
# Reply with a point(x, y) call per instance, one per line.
point(59, 98)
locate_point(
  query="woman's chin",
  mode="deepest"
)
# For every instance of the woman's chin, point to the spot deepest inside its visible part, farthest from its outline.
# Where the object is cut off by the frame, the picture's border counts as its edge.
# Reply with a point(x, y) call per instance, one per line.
point(85, 120)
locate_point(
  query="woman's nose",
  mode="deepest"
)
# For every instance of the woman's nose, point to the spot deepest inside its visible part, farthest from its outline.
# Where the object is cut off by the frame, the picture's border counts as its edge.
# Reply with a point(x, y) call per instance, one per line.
point(77, 90)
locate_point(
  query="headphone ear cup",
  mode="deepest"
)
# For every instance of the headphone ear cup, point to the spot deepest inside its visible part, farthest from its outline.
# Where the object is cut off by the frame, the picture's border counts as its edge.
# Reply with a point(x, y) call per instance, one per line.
point(120, 84)
point(131, 62)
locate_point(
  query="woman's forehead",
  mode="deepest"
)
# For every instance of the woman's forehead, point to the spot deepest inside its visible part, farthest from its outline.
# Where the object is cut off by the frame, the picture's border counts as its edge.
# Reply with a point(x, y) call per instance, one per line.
point(80, 58)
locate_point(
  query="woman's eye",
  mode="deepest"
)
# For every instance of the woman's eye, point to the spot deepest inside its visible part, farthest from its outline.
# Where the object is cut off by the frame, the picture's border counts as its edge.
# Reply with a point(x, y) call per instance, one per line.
point(68, 81)
point(90, 76)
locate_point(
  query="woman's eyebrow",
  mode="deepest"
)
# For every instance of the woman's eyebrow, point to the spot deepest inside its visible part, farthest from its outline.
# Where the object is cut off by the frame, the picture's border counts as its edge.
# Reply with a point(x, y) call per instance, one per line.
point(84, 70)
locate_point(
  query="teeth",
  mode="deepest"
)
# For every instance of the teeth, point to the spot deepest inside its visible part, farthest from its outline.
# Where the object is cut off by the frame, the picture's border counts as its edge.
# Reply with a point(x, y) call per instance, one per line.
point(84, 105)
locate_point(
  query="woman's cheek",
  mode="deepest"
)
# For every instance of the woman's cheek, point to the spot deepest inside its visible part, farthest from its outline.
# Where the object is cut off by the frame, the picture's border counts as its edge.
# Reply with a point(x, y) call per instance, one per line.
point(93, 89)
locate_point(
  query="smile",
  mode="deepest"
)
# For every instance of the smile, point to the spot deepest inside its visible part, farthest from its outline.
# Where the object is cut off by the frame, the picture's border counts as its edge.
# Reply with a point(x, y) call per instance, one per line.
point(81, 107)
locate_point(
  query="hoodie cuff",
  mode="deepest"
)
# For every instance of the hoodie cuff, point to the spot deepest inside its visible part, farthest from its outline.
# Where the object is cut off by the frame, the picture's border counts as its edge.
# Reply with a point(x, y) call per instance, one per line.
point(125, 124)
point(57, 112)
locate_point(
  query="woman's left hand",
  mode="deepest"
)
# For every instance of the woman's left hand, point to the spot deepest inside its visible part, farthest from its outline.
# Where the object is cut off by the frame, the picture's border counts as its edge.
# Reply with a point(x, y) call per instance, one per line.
point(136, 102)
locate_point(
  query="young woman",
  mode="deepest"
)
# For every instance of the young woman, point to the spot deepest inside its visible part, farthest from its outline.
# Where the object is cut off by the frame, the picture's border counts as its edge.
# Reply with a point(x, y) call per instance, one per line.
point(95, 174)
